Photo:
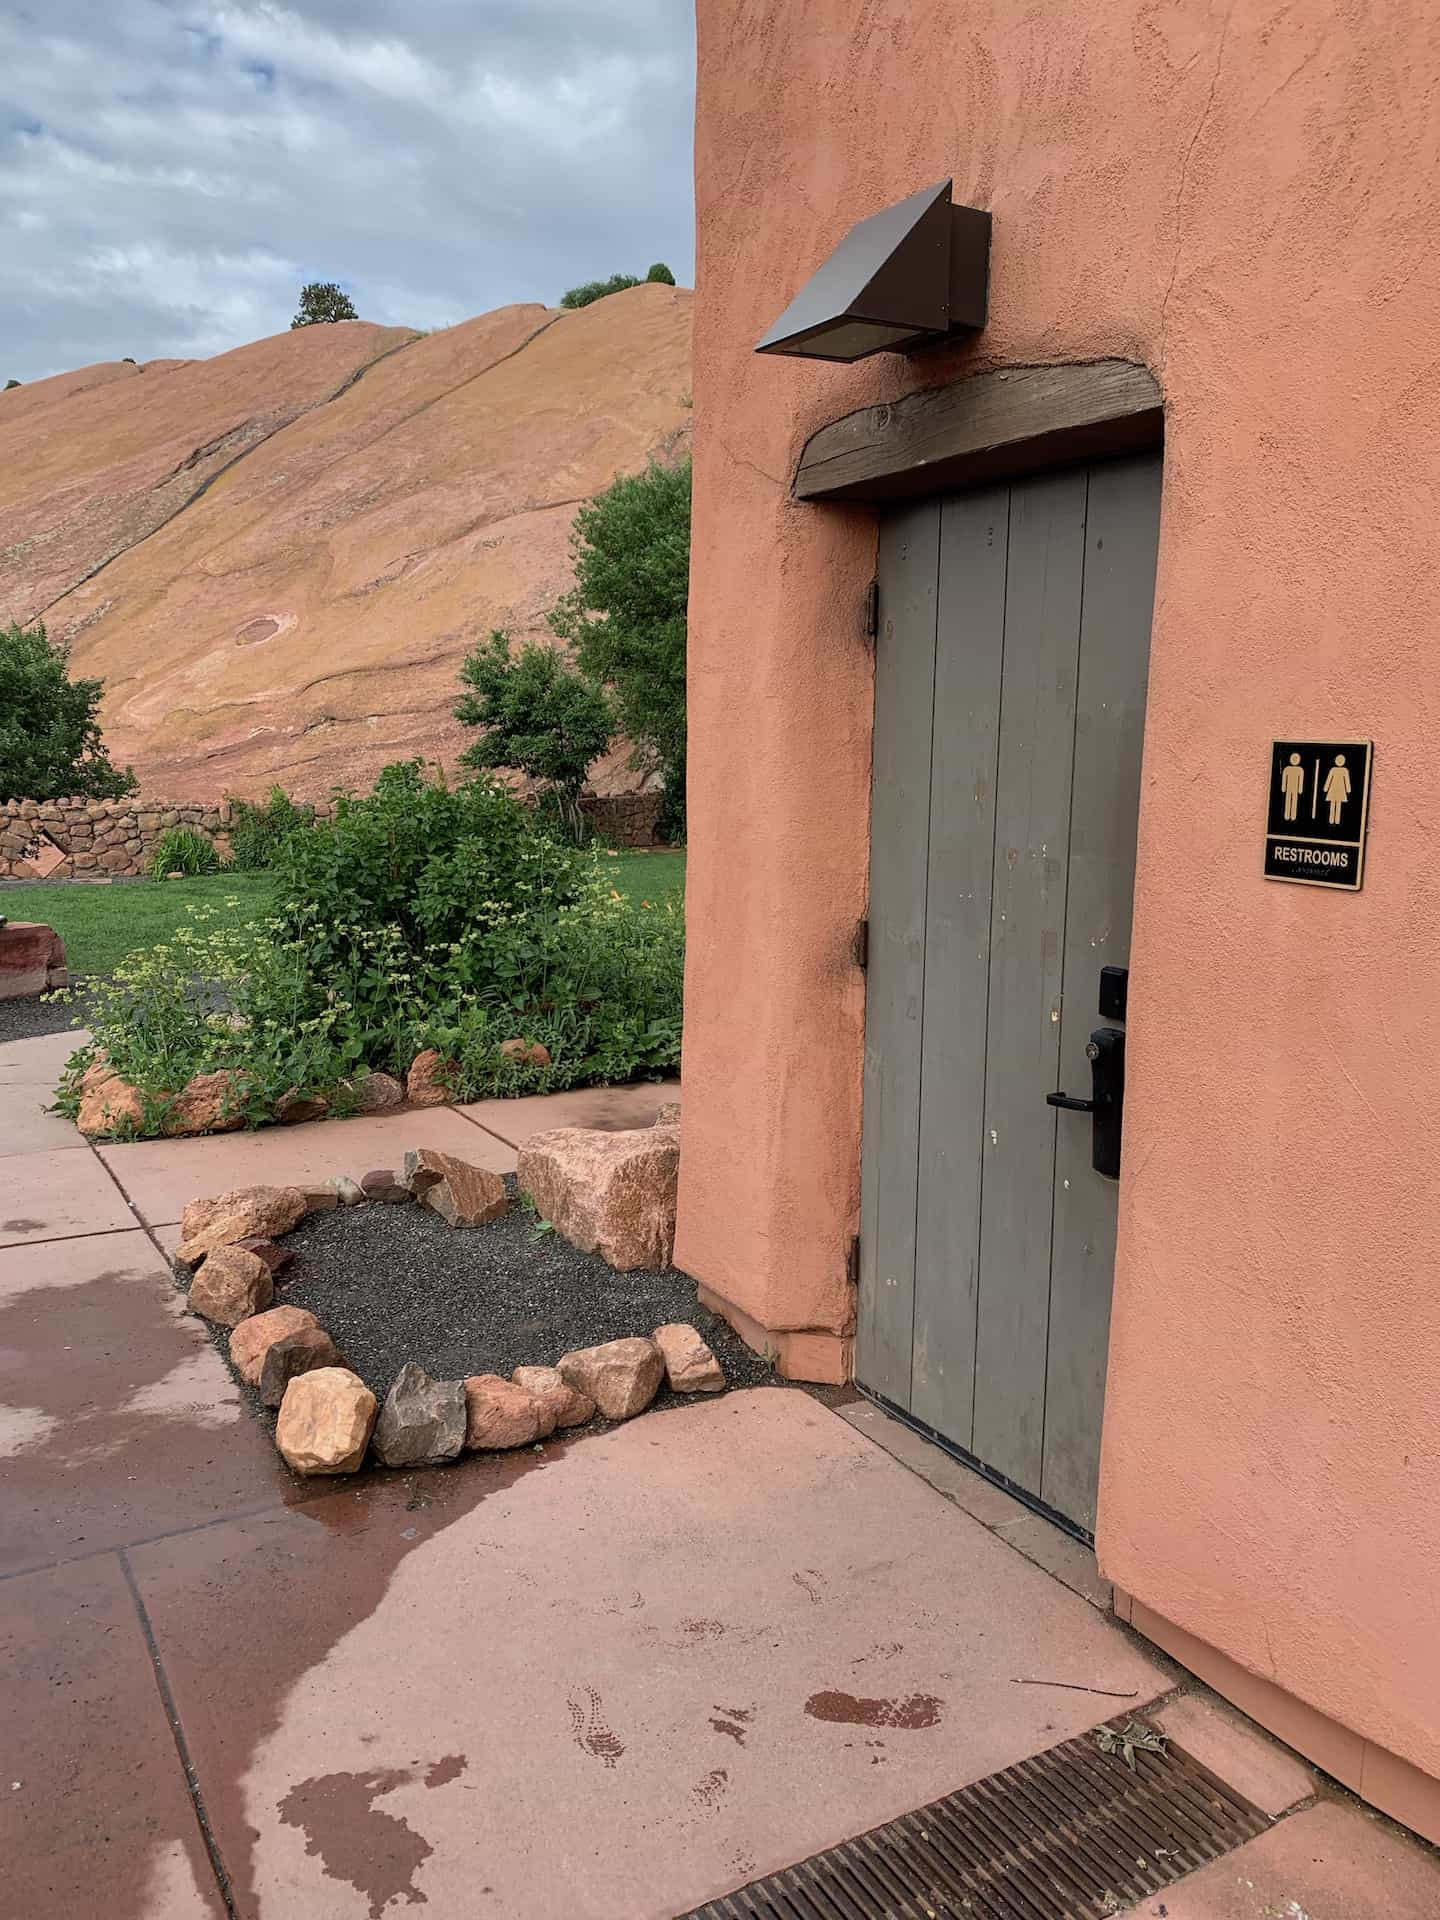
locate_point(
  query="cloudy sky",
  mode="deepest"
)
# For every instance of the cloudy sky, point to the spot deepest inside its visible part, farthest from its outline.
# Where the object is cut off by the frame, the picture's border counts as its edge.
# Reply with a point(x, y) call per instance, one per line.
point(171, 171)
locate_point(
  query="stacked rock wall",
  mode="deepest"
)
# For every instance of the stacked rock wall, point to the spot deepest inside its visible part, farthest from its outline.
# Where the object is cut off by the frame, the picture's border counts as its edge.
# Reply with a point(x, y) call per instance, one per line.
point(114, 839)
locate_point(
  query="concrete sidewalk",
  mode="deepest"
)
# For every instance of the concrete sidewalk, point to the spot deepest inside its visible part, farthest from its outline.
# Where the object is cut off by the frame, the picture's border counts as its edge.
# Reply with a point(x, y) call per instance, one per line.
point(614, 1677)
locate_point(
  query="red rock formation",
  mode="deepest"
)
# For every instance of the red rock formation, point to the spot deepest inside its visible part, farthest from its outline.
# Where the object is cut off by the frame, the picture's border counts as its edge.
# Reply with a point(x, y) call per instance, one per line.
point(276, 559)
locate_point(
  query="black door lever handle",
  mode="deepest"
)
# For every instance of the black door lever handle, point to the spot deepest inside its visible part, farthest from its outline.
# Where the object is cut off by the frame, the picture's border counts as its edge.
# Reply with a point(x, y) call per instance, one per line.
point(1069, 1102)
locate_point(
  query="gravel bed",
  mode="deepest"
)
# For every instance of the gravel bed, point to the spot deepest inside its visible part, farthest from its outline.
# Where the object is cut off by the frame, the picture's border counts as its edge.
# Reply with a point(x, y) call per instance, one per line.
point(395, 1283)
point(28, 1018)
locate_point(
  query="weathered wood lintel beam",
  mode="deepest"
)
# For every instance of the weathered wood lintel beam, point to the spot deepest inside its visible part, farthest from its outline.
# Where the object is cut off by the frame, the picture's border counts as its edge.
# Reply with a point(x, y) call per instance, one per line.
point(991, 426)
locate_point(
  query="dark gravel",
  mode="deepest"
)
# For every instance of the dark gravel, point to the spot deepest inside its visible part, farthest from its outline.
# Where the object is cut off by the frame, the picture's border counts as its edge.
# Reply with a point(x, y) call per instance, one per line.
point(28, 1018)
point(395, 1283)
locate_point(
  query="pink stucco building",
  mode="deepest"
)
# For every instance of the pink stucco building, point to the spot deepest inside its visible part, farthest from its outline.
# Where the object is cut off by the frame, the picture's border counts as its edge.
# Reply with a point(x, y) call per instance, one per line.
point(1174, 503)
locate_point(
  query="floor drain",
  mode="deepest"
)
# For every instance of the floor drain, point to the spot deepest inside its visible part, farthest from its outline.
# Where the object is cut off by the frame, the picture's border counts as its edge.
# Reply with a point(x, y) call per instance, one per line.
point(1073, 1834)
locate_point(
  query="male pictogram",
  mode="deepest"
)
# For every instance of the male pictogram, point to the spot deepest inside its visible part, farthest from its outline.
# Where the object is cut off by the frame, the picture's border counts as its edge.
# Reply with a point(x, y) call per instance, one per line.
point(1337, 790)
point(1292, 785)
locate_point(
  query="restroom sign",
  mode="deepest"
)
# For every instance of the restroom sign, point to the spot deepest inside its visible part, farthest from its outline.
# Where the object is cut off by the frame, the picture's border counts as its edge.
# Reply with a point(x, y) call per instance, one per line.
point(1318, 807)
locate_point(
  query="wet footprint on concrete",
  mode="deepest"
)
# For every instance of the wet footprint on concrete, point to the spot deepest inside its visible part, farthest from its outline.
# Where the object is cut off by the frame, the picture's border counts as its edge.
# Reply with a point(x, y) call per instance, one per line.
point(589, 1728)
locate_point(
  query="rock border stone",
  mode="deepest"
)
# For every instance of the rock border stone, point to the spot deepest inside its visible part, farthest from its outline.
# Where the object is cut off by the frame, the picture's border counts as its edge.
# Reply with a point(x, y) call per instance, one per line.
point(328, 1421)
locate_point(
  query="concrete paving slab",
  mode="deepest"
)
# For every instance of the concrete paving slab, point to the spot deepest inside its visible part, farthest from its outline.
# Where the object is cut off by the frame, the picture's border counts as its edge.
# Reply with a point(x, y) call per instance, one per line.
point(1270, 1776)
point(26, 1126)
point(118, 1419)
point(163, 1176)
point(94, 1813)
point(1071, 1563)
point(610, 1109)
point(55, 1194)
point(41, 1058)
point(610, 1679)
point(1328, 1862)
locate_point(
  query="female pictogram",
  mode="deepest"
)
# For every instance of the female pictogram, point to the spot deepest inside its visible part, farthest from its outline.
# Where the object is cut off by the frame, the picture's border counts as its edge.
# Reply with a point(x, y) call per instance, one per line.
point(1337, 789)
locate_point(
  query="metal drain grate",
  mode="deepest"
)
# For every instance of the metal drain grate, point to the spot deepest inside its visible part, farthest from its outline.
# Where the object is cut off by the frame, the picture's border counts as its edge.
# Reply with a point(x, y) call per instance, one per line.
point(1071, 1835)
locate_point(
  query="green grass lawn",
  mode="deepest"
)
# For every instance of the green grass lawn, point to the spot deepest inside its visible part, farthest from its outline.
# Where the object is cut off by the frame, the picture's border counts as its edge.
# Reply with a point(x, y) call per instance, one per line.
point(100, 925)
point(655, 877)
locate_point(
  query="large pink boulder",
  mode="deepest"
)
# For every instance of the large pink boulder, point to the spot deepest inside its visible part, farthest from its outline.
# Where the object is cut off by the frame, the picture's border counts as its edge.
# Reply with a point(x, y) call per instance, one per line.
point(607, 1193)
point(32, 959)
point(242, 1214)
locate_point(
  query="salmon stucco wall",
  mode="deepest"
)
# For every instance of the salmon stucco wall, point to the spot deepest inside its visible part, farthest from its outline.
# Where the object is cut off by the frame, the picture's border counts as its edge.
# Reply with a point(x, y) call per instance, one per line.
point(1243, 199)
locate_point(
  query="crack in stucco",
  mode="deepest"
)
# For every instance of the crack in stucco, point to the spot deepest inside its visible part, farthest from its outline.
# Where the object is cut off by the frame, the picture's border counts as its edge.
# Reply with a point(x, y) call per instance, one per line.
point(1185, 175)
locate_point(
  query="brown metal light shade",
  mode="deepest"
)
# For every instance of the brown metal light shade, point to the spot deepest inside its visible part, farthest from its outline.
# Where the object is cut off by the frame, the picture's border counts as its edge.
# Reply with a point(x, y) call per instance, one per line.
point(904, 278)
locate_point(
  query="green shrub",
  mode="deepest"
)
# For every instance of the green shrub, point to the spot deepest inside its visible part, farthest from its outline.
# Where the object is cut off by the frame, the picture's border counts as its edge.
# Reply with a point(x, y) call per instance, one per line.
point(661, 273)
point(258, 832)
point(50, 745)
point(419, 917)
point(541, 717)
point(183, 850)
point(626, 614)
point(592, 290)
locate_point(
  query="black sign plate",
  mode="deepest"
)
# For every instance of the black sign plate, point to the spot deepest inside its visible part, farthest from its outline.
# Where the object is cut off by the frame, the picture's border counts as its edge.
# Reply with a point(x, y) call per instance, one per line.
point(1318, 808)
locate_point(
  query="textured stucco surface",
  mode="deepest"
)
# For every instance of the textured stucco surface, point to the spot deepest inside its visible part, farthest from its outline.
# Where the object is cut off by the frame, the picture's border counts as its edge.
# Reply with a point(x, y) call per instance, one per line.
point(1243, 200)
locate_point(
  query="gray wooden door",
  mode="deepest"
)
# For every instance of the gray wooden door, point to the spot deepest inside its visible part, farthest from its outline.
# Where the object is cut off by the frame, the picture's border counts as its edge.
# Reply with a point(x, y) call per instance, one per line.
point(1009, 712)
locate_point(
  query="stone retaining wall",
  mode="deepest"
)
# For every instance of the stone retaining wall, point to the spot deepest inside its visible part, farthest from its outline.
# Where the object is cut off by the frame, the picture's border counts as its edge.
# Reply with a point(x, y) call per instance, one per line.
point(114, 839)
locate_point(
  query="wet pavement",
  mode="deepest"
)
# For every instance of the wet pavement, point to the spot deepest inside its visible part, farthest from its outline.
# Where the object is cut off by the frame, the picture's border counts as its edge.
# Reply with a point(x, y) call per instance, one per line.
point(613, 1677)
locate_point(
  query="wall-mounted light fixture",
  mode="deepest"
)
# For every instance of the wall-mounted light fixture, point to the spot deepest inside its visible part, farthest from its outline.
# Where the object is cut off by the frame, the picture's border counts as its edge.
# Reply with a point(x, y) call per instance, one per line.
point(907, 277)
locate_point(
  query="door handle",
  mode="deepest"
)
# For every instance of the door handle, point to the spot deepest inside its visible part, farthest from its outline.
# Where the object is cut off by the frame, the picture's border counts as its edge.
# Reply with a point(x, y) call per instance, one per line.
point(1106, 1054)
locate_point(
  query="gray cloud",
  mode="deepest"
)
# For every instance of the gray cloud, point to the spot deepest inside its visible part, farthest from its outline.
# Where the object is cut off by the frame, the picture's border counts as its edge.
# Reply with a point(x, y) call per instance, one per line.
point(172, 170)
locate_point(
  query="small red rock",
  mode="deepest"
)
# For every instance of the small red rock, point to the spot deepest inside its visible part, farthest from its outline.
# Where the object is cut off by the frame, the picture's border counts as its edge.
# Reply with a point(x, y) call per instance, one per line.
point(231, 1286)
point(294, 1107)
point(302, 1351)
point(385, 1186)
point(525, 1053)
point(571, 1409)
point(325, 1421)
point(499, 1414)
point(276, 1258)
point(690, 1366)
point(466, 1196)
point(253, 1338)
point(428, 1082)
point(622, 1377)
point(374, 1092)
point(109, 1107)
point(210, 1103)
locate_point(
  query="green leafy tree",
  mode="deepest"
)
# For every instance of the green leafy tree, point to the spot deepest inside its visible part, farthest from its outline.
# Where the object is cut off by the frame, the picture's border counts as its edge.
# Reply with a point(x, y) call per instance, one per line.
point(50, 745)
point(661, 274)
point(540, 716)
point(321, 301)
point(591, 290)
point(625, 617)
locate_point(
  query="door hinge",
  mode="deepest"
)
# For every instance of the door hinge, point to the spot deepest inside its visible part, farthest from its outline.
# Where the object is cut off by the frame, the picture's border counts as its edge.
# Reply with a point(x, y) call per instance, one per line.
point(852, 1261)
point(872, 610)
point(860, 945)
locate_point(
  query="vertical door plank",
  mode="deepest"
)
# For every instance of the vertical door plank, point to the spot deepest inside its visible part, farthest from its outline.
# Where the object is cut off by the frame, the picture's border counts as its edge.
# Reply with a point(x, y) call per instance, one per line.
point(1037, 728)
point(974, 532)
point(1122, 533)
point(895, 987)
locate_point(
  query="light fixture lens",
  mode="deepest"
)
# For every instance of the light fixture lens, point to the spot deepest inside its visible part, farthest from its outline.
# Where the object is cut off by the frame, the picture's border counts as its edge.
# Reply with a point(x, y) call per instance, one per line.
point(848, 340)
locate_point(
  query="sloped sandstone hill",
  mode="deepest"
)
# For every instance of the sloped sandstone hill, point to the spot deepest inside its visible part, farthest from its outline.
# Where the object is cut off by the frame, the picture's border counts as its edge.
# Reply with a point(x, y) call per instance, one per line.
point(277, 558)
